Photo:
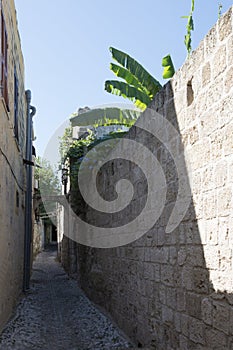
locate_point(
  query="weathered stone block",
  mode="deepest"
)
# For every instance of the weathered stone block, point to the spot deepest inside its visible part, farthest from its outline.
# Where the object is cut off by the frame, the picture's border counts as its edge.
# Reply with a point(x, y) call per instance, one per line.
point(210, 205)
point(225, 25)
point(159, 255)
point(212, 231)
point(220, 173)
point(215, 339)
point(225, 258)
point(196, 331)
point(148, 270)
point(177, 322)
point(193, 302)
point(206, 74)
point(229, 51)
point(221, 317)
point(207, 311)
point(210, 42)
point(167, 275)
point(195, 256)
point(184, 343)
point(228, 139)
point(200, 280)
point(231, 321)
point(216, 145)
point(228, 80)
point(185, 323)
point(167, 314)
point(171, 298)
point(157, 274)
point(224, 201)
point(162, 294)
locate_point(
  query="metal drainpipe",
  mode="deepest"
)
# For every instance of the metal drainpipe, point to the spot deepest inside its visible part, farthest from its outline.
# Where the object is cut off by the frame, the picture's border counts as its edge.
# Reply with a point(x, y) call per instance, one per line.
point(31, 111)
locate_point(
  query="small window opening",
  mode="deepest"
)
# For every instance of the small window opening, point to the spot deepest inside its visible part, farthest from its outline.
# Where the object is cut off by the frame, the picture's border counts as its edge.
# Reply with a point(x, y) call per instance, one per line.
point(190, 93)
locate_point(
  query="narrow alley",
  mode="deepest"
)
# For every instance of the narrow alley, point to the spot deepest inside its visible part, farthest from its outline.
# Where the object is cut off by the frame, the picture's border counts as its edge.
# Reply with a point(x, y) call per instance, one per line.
point(55, 314)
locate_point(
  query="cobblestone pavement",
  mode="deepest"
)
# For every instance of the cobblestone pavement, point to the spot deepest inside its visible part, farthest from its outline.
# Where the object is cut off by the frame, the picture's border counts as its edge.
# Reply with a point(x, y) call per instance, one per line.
point(55, 314)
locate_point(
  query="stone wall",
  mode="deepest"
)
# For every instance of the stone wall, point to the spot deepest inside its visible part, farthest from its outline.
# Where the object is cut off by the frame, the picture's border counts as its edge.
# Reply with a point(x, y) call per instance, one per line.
point(38, 237)
point(175, 290)
point(12, 174)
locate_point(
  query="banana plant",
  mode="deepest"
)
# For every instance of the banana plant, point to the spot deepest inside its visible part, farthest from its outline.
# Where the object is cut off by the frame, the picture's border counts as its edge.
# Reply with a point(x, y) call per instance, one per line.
point(190, 28)
point(139, 86)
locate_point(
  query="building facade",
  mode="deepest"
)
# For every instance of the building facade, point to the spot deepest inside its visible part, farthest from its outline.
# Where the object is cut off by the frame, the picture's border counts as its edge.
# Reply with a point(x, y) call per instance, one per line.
point(13, 140)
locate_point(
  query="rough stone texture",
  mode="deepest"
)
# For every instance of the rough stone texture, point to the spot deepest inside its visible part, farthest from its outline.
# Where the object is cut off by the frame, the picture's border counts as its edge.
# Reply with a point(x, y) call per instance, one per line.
point(56, 314)
point(38, 233)
point(12, 174)
point(174, 291)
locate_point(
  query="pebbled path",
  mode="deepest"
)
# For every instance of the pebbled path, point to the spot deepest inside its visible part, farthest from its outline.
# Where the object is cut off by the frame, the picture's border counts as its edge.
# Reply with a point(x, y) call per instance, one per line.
point(55, 314)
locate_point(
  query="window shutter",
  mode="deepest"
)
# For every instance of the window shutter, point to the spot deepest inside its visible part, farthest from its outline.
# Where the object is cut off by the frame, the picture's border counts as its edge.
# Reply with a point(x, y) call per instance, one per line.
point(4, 72)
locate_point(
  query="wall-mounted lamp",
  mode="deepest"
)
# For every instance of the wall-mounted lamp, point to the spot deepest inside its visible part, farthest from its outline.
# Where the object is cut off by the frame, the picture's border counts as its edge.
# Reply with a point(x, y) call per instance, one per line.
point(64, 178)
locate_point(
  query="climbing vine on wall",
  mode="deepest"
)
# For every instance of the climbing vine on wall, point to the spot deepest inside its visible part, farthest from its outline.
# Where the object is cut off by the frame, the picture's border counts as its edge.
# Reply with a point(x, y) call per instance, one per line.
point(80, 148)
point(65, 143)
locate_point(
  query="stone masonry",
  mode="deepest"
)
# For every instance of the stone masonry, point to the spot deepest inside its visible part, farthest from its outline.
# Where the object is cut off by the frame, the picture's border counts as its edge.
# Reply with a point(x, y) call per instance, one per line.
point(12, 174)
point(175, 291)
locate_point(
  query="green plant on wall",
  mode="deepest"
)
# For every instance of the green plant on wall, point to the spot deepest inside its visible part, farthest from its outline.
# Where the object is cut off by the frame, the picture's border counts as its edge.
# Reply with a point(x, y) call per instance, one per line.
point(79, 148)
point(219, 10)
point(139, 86)
point(65, 142)
point(190, 28)
point(49, 184)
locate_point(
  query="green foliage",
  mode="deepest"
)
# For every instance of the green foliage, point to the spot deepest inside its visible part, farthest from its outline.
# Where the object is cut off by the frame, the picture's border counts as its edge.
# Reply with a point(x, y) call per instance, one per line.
point(65, 142)
point(49, 183)
point(120, 88)
point(169, 69)
point(190, 28)
point(139, 87)
point(106, 116)
point(146, 82)
point(219, 10)
point(80, 148)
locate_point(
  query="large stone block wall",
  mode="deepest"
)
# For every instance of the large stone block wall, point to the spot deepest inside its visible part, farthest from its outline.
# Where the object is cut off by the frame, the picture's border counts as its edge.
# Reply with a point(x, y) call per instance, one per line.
point(12, 175)
point(175, 291)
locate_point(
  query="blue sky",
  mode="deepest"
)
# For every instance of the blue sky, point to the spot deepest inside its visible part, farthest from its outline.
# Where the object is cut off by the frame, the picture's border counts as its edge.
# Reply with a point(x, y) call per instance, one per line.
point(65, 47)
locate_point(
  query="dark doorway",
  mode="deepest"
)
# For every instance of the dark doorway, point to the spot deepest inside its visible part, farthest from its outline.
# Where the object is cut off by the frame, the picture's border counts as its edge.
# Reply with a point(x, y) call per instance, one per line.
point(54, 234)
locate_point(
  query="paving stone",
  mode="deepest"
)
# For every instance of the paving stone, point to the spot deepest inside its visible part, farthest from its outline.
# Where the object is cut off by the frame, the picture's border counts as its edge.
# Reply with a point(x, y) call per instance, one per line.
point(55, 314)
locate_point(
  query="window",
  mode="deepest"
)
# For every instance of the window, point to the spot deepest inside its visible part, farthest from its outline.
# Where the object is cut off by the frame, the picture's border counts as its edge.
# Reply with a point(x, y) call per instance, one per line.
point(4, 62)
point(16, 94)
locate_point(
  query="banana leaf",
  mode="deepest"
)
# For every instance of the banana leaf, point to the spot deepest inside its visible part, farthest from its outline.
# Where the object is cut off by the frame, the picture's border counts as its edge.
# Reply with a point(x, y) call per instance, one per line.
point(169, 69)
point(125, 74)
point(120, 88)
point(106, 116)
point(137, 70)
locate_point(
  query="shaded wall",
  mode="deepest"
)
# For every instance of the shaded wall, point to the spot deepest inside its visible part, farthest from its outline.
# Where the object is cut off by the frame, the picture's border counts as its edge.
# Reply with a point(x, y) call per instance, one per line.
point(174, 291)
